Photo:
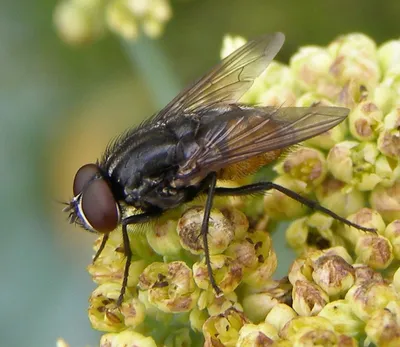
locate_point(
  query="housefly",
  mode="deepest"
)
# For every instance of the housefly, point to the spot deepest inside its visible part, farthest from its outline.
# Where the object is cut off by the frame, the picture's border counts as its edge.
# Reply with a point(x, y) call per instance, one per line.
point(201, 136)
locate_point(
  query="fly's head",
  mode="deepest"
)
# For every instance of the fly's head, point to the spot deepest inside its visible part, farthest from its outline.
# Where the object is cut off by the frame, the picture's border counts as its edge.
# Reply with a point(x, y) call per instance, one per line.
point(93, 206)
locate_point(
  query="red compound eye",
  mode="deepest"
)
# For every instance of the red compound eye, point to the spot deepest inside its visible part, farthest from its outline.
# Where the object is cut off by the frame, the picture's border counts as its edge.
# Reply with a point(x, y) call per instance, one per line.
point(98, 205)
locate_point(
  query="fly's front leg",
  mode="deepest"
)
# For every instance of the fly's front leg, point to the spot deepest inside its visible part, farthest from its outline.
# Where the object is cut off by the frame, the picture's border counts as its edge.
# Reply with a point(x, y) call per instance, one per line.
point(135, 219)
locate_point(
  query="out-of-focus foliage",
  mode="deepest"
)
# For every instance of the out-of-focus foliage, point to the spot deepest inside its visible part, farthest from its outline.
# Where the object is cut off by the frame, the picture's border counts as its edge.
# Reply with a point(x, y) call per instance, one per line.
point(60, 105)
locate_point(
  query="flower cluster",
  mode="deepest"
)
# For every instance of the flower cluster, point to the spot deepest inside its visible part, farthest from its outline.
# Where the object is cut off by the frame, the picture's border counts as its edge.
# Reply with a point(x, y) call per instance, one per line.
point(343, 288)
point(80, 21)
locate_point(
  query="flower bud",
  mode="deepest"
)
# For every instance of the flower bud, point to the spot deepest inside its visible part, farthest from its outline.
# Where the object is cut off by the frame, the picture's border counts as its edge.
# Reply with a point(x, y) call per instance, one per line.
point(308, 298)
point(257, 335)
point(383, 327)
point(197, 318)
point(339, 198)
point(104, 314)
point(256, 306)
point(389, 55)
point(384, 97)
point(170, 286)
point(355, 59)
point(279, 206)
point(364, 274)
point(302, 324)
point(340, 314)
point(126, 338)
point(368, 297)
point(304, 164)
point(392, 233)
point(310, 67)
point(355, 163)
point(333, 275)
point(389, 137)
point(230, 44)
point(386, 201)
point(280, 315)
point(79, 22)
point(227, 273)
point(164, 239)
point(223, 330)
point(365, 121)
point(121, 20)
point(374, 251)
point(220, 231)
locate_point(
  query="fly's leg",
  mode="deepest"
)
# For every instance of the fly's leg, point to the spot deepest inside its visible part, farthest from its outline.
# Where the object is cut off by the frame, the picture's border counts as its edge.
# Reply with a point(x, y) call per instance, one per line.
point(101, 248)
point(135, 219)
point(204, 231)
point(265, 186)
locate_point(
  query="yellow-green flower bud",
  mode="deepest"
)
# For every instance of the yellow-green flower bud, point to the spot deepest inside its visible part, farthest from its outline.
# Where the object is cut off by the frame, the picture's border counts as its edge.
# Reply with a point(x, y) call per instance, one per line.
point(340, 252)
point(384, 97)
point(339, 198)
point(121, 20)
point(365, 274)
point(301, 269)
point(304, 164)
point(301, 324)
point(308, 298)
point(364, 217)
point(333, 275)
point(104, 314)
point(178, 338)
point(257, 335)
point(396, 280)
point(386, 201)
point(389, 138)
point(245, 253)
point(383, 327)
point(279, 206)
point(368, 297)
point(109, 267)
point(280, 315)
point(218, 305)
point(392, 233)
point(197, 318)
point(220, 231)
point(310, 67)
point(227, 272)
point(313, 232)
point(126, 338)
point(340, 314)
point(355, 59)
point(170, 286)
point(164, 239)
point(389, 55)
point(256, 306)
point(355, 163)
point(365, 121)
point(223, 329)
point(79, 22)
point(374, 251)
point(323, 338)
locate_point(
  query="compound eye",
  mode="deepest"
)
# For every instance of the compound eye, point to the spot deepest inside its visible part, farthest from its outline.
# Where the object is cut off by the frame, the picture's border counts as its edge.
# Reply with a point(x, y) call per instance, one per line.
point(99, 206)
point(83, 176)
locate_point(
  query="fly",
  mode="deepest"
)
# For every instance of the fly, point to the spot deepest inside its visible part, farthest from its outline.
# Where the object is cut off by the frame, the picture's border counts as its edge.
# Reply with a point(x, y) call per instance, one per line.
point(201, 136)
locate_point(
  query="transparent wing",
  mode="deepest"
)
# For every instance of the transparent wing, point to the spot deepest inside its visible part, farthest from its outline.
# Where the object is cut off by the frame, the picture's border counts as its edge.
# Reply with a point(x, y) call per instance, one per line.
point(249, 132)
point(229, 80)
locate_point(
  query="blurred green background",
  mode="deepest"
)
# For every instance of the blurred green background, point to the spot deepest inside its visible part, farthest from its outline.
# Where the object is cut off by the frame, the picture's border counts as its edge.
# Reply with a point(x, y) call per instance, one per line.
point(60, 105)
